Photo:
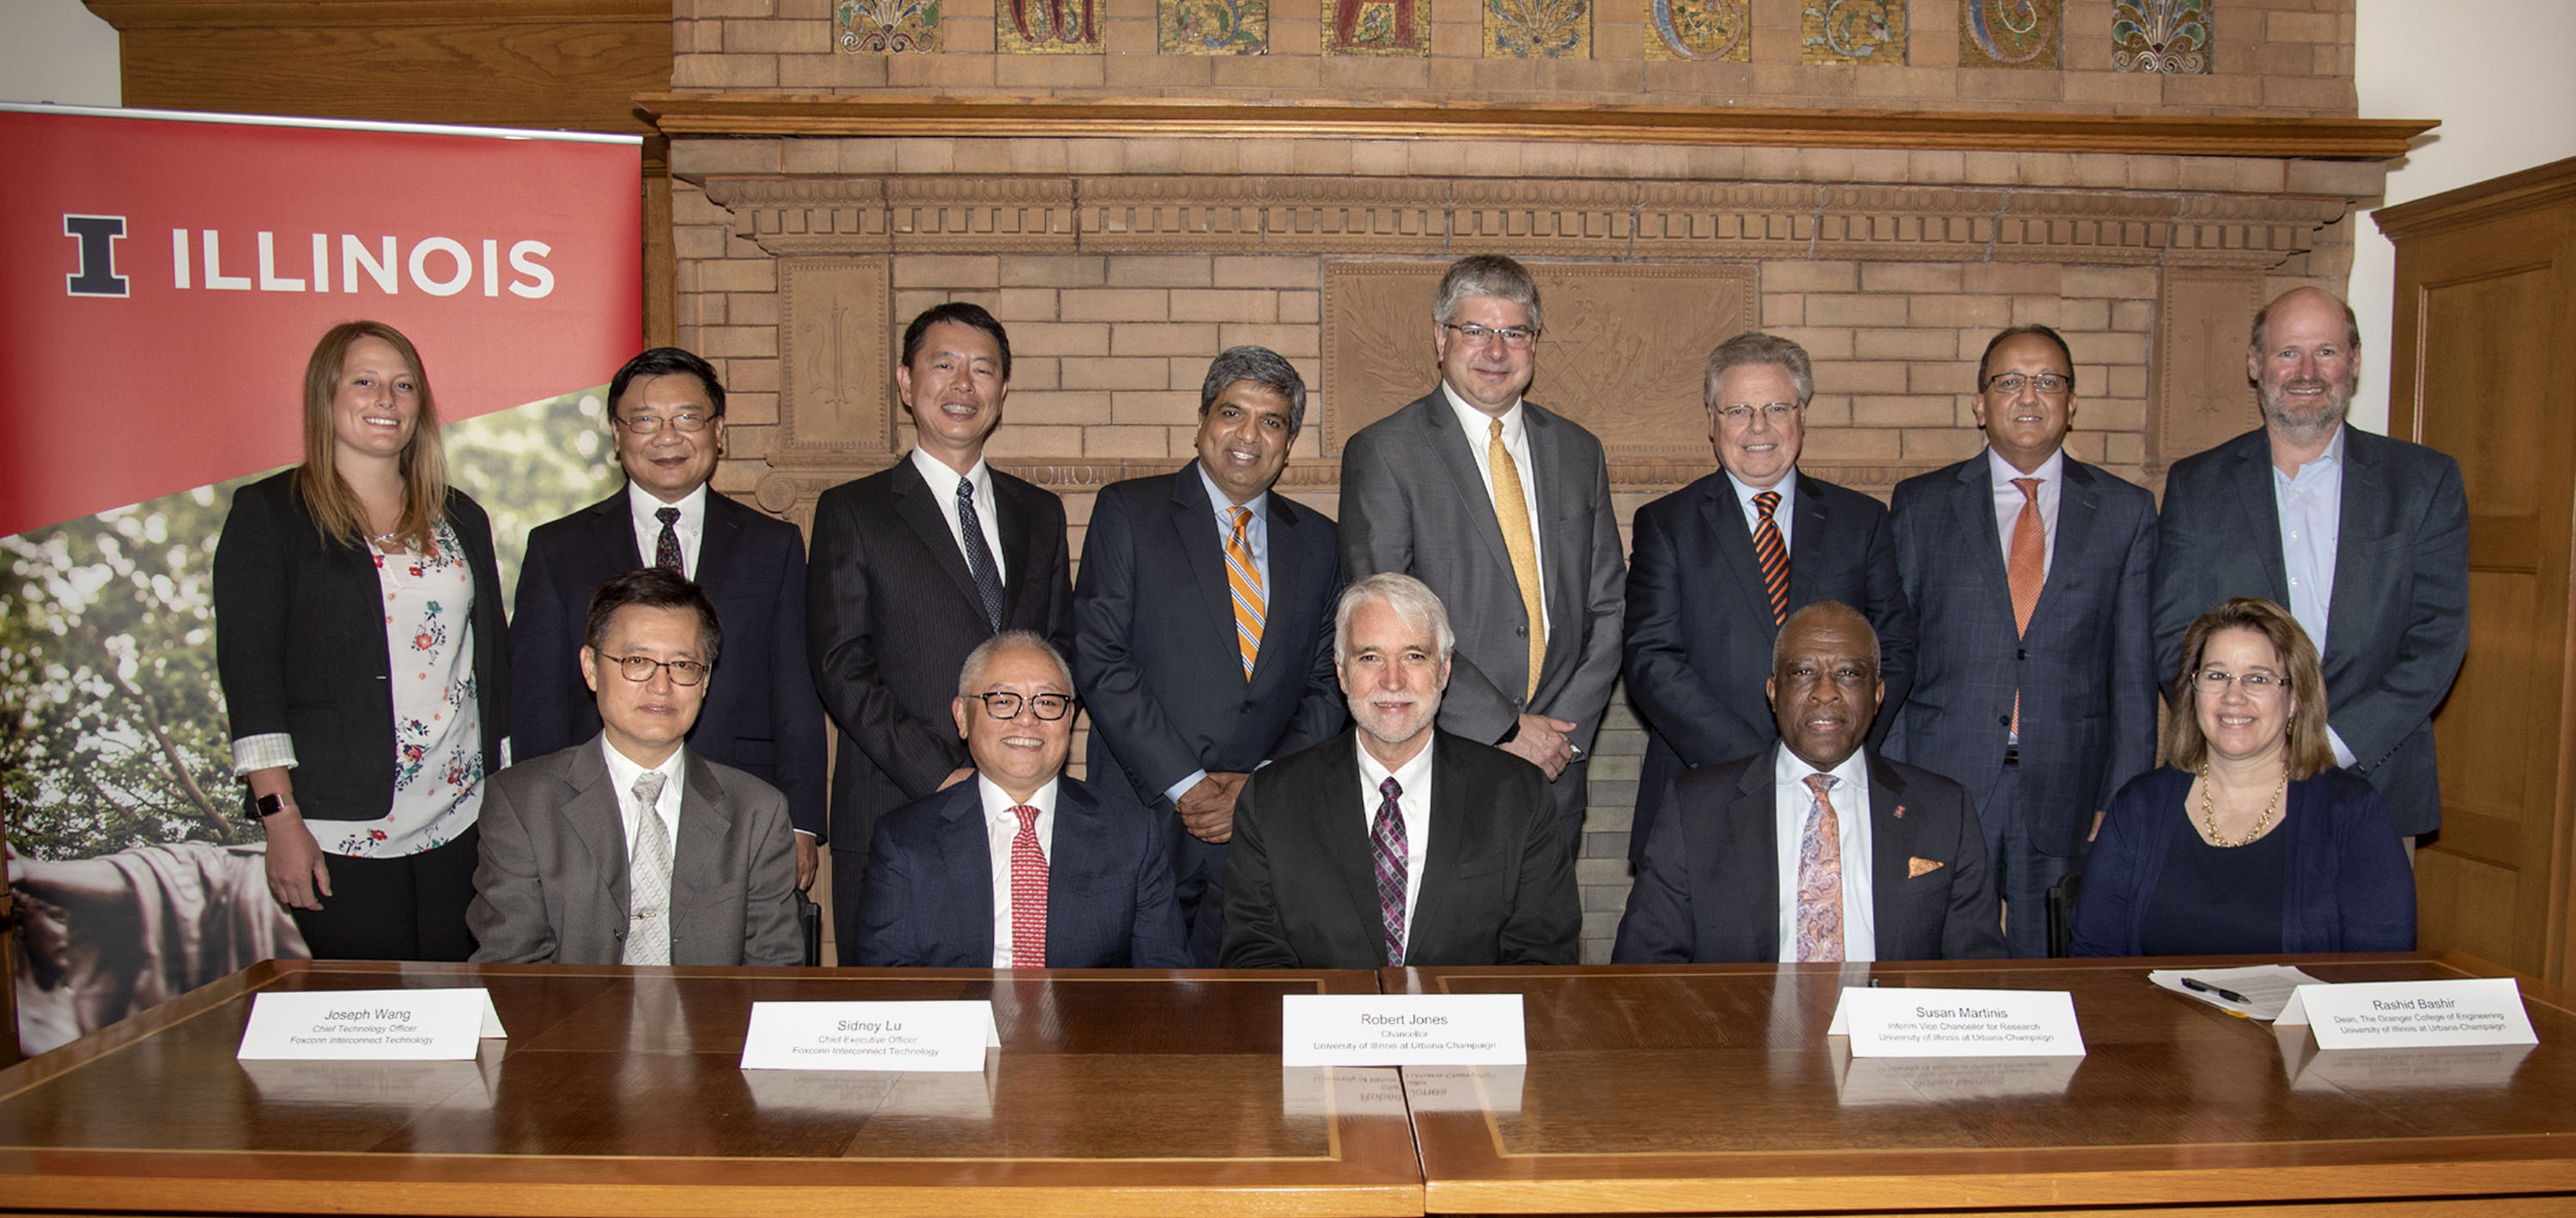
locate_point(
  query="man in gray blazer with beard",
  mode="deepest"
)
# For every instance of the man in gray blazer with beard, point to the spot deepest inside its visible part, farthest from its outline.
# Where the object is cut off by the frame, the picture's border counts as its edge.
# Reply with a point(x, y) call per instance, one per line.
point(1503, 509)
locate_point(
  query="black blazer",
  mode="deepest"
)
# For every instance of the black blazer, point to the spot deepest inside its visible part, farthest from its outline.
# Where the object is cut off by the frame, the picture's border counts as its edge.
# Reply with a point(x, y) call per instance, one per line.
point(1497, 883)
point(2399, 623)
point(929, 895)
point(300, 646)
point(1700, 628)
point(890, 613)
point(2085, 671)
point(760, 716)
point(1708, 890)
point(1156, 655)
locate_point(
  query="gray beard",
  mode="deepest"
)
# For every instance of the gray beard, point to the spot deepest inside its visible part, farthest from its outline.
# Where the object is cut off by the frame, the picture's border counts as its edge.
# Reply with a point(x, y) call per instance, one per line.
point(2304, 431)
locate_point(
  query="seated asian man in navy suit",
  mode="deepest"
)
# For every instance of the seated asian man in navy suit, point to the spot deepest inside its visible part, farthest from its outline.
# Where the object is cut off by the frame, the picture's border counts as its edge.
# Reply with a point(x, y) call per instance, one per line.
point(1019, 866)
point(1773, 857)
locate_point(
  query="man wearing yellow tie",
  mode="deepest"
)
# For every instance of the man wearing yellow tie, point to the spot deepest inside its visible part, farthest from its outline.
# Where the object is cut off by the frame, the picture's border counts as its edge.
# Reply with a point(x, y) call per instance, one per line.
point(1503, 509)
point(1202, 625)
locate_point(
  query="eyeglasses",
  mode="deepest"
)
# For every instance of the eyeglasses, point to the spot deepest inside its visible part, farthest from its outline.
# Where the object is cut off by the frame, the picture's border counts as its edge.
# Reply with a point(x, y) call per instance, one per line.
point(2256, 684)
point(1775, 414)
point(640, 669)
point(646, 424)
point(2013, 382)
point(1003, 705)
point(1514, 337)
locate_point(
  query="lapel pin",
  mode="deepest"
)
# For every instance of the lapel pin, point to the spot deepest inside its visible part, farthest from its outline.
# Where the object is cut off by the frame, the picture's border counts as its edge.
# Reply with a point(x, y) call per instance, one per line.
point(1900, 811)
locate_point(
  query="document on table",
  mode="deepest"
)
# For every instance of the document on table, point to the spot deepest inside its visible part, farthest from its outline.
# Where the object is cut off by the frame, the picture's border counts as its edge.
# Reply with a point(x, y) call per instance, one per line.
point(2265, 988)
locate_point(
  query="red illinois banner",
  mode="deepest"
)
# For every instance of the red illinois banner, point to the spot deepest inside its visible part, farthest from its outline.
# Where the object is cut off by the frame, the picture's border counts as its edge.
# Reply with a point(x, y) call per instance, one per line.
point(164, 276)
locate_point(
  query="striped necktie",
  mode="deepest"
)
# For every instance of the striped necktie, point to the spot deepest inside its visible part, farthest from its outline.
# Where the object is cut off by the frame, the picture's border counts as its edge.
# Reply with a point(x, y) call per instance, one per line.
point(1243, 580)
point(1774, 555)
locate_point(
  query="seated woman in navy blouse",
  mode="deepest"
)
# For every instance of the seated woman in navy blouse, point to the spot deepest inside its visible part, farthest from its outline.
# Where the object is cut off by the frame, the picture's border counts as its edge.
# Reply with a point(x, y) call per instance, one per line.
point(2249, 841)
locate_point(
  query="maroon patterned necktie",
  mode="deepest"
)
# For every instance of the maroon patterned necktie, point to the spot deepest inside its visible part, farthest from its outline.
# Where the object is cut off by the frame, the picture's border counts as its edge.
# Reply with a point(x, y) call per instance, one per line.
point(1386, 834)
point(666, 549)
point(1774, 555)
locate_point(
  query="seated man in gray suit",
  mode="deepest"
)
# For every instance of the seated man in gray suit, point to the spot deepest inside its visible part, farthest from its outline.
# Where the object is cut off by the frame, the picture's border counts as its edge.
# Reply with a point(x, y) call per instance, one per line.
point(1397, 843)
point(627, 848)
point(1019, 866)
point(1772, 857)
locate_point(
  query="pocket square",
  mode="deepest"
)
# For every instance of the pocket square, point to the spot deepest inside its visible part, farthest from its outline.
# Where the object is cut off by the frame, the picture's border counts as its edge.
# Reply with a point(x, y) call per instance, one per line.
point(1918, 865)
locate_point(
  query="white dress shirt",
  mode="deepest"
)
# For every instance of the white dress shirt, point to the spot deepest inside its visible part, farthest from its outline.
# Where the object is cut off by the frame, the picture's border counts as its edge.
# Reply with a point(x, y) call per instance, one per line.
point(1479, 428)
point(1000, 826)
point(2310, 503)
point(943, 487)
point(691, 526)
point(1256, 537)
point(1413, 778)
point(1780, 514)
point(622, 774)
point(1791, 803)
point(2008, 500)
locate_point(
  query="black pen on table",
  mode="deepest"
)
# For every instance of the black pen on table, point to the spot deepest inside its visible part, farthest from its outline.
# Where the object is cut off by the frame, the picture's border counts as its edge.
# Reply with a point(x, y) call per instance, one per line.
point(2206, 988)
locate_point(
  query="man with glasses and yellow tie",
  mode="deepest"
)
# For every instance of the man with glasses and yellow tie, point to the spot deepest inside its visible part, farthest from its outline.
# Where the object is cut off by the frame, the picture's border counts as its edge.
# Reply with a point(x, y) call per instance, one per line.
point(629, 848)
point(1503, 509)
point(1721, 563)
point(1018, 866)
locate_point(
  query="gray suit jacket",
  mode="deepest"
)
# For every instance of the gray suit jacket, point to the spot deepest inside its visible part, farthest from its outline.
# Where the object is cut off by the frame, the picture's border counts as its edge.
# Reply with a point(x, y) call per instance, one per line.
point(551, 884)
point(1412, 501)
point(2398, 625)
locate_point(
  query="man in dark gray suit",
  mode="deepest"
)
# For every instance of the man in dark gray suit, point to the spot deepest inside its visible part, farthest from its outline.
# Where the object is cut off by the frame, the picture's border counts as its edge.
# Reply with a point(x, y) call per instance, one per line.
point(2034, 682)
point(913, 567)
point(628, 848)
point(2365, 538)
point(1503, 509)
point(1719, 564)
point(1200, 625)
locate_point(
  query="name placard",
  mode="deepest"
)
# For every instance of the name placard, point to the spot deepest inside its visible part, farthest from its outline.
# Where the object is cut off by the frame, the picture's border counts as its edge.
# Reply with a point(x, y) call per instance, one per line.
point(2412, 1014)
point(1401, 1030)
point(1888, 1022)
point(368, 1025)
point(869, 1036)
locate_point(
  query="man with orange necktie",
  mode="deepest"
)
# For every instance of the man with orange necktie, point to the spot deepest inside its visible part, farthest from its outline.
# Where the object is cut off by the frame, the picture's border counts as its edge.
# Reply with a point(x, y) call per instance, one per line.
point(1019, 866)
point(1813, 849)
point(2028, 572)
point(1719, 564)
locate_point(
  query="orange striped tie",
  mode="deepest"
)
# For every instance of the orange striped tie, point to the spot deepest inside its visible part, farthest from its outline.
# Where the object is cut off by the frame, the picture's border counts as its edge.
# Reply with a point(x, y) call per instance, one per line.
point(1774, 555)
point(1243, 579)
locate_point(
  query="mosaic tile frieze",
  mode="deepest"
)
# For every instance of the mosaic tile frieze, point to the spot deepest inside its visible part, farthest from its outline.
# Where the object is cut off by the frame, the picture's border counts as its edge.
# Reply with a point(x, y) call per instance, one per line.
point(885, 27)
point(1047, 27)
point(2009, 33)
point(1378, 27)
point(1716, 30)
point(1852, 31)
point(1538, 29)
point(2170, 36)
point(1214, 27)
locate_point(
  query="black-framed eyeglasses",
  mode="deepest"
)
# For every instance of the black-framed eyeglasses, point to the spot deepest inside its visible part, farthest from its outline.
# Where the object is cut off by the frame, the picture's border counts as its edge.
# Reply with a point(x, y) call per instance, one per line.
point(1002, 704)
point(2013, 382)
point(640, 669)
point(1741, 415)
point(646, 424)
point(1514, 337)
point(2256, 684)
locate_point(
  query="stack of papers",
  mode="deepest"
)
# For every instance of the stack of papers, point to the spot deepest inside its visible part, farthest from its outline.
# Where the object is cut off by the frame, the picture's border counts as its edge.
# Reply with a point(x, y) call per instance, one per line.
point(2258, 991)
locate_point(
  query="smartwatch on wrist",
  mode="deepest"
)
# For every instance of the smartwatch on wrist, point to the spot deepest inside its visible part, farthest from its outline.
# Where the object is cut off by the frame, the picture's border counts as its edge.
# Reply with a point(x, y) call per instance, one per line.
point(270, 805)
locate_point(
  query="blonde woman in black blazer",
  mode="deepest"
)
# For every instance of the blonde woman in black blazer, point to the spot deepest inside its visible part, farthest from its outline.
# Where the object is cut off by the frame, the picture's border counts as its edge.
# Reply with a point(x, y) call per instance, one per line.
point(361, 642)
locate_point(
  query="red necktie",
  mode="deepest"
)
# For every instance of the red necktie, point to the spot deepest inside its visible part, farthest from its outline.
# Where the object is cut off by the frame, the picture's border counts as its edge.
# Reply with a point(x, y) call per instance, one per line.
point(1028, 893)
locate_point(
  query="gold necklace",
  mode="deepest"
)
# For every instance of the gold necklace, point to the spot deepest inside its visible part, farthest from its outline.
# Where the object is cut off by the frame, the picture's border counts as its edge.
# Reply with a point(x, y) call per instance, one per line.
point(2209, 814)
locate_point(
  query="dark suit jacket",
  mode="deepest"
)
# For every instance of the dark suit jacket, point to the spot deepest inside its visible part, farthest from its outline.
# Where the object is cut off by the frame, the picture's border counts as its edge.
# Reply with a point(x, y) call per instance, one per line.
point(1708, 889)
point(1497, 877)
point(551, 887)
point(890, 613)
point(2085, 671)
point(760, 716)
point(929, 895)
point(2399, 622)
point(1412, 501)
point(300, 646)
point(1700, 628)
point(2348, 886)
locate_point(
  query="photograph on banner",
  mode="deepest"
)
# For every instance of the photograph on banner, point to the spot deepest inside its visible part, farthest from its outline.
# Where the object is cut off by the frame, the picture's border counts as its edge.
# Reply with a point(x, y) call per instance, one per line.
point(137, 875)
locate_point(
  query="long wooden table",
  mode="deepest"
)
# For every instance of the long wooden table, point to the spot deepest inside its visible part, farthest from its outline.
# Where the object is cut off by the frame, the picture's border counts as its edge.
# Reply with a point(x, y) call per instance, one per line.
point(1713, 1089)
point(1674, 1090)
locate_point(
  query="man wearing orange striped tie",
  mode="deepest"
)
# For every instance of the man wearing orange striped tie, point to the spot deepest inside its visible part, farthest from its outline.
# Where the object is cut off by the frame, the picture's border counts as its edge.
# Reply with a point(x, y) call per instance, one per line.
point(1202, 625)
point(1719, 564)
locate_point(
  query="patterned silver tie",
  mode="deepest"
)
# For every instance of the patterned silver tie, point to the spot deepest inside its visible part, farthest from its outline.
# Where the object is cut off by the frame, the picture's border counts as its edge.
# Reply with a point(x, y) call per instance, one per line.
point(648, 887)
